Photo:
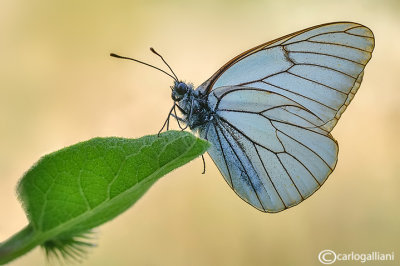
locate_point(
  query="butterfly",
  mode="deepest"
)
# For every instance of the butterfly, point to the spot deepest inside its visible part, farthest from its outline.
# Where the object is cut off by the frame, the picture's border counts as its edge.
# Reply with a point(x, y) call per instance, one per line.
point(269, 111)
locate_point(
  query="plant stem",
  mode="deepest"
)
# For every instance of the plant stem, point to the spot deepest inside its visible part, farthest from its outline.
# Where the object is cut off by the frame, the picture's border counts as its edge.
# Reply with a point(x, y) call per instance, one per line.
point(19, 244)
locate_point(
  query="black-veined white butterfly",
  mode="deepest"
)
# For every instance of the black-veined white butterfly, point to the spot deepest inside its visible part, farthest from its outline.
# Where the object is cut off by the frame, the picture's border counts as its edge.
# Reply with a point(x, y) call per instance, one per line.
point(269, 111)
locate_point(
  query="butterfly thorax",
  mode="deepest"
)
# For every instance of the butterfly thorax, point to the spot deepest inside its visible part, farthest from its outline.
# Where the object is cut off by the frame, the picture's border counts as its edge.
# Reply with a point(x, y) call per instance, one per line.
point(192, 104)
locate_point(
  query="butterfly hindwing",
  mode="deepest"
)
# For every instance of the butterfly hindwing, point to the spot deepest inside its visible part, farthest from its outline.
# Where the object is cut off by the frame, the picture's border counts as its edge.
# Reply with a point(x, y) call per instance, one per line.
point(267, 159)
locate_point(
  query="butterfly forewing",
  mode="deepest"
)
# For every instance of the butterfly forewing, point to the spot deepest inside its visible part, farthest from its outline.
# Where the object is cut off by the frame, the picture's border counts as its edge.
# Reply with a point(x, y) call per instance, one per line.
point(275, 106)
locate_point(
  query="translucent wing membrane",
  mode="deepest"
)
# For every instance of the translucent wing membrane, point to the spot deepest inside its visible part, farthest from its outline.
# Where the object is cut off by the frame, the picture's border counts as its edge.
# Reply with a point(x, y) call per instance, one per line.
point(276, 105)
point(273, 156)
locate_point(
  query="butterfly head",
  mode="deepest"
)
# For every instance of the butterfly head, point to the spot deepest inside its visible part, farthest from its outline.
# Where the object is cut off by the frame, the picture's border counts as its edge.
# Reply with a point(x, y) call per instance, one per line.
point(179, 90)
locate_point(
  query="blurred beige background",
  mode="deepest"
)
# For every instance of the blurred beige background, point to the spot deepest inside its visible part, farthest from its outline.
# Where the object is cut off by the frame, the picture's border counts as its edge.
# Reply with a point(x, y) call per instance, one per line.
point(58, 86)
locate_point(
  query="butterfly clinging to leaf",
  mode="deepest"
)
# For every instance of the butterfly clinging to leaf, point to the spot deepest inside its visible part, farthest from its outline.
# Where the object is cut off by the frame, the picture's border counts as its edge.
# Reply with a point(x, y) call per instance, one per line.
point(269, 111)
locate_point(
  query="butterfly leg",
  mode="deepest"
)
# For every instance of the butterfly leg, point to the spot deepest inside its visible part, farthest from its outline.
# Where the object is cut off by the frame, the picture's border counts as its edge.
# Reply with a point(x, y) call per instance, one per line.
point(178, 118)
point(166, 123)
point(204, 164)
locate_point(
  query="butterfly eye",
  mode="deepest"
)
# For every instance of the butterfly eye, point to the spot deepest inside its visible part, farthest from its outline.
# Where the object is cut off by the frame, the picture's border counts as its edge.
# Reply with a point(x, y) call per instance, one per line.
point(181, 88)
point(178, 91)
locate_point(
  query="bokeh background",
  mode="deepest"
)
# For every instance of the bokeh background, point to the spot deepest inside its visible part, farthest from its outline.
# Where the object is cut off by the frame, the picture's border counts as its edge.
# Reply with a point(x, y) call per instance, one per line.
point(58, 86)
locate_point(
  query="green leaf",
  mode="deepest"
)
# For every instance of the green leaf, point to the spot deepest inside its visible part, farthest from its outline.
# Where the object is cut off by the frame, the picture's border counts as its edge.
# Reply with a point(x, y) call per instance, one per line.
point(77, 188)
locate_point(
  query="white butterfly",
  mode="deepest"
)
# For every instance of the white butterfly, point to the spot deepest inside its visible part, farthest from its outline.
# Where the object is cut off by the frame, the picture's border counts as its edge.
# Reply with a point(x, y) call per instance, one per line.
point(269, 111)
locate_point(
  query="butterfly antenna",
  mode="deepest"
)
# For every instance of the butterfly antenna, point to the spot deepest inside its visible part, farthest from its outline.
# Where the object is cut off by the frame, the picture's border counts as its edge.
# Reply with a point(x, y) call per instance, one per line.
point(138, 61)
point(154, 51)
